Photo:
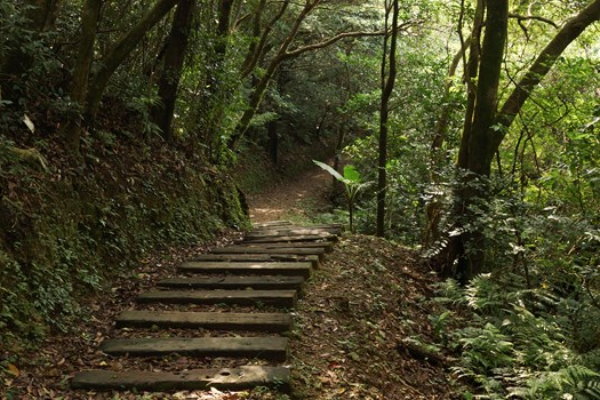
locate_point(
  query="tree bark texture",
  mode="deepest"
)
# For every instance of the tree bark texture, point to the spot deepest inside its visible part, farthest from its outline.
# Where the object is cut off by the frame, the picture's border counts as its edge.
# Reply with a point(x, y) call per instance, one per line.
point(388, 81)
point(476, 154)
point(85, 56)
point(174, 57)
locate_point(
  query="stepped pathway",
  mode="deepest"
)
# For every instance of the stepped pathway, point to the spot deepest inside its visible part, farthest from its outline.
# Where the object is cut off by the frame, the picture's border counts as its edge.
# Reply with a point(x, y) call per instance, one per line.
point(265, 269)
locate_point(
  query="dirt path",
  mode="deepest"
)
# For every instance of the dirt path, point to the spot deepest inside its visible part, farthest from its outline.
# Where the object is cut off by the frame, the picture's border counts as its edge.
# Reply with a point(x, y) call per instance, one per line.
point(299, 198)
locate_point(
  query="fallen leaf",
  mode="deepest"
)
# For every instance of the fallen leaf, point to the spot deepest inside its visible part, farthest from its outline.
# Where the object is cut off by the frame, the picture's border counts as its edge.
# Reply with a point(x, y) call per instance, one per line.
point(13, 370)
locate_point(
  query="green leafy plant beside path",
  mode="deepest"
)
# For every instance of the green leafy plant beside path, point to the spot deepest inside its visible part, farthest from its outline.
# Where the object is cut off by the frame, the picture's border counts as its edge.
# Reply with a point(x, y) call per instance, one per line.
point(352, 183)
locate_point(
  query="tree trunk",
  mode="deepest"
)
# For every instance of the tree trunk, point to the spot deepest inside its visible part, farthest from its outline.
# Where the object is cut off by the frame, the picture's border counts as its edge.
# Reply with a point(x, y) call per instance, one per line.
point(471, 70)
point(337, 187)
point(476, 155)
point(388, 81)
point(174, 57)
point(489, 128)
point(85, 56)
point(119, 53)
point(220, 47)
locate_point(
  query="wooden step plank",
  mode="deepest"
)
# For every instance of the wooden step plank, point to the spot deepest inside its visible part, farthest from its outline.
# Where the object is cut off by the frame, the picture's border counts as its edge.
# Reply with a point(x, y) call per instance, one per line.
point(267, 348)
point(284, 239)
point(327, 246)
point(272, 223)
point(270, 322)
point(289, 226)
point(259, 250)
point(274, 234)
point(302, 269)
point(278, 298)
point(234, 379)
point(296, 230)
point(249, 261)
point(268, 282)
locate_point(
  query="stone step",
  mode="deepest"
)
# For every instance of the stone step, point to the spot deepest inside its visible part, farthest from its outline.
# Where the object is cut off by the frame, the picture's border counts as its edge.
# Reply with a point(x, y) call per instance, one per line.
point(234, 379)
point(287, 239)
point(257, 258)
point(270, 322)
point(278, 298)
point(303, 269)
point(259, 250)
point(327, 246)
point(236, 282)
point(267, 348)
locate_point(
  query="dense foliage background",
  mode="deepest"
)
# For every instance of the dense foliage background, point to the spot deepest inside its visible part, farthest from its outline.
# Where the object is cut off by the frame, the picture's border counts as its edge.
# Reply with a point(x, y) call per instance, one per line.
point(121, 124)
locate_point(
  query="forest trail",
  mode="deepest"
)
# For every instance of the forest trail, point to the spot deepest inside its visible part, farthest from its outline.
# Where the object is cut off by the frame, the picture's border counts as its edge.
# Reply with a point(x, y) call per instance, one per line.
point(265, 269)
point(263, 272)
point(292, 200)
point(185, 322)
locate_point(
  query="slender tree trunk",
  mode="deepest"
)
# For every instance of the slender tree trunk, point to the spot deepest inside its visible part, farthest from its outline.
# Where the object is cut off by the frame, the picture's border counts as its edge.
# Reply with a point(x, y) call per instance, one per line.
point(262, 84)
point(471, 70)
point(217, 94)
point(119, 53)
point(174, 58)
point(85, 56)
point(388, 80)
point(337, 187)
point(220, 47)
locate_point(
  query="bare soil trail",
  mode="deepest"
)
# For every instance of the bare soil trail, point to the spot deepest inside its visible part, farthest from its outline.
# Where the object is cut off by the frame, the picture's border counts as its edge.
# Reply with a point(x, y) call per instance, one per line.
point(350, 325)
point(298, 198)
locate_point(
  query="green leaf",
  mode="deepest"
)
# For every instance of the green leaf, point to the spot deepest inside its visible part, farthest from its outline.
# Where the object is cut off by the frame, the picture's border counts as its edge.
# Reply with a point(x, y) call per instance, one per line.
point(332, 171)
point(351, 174)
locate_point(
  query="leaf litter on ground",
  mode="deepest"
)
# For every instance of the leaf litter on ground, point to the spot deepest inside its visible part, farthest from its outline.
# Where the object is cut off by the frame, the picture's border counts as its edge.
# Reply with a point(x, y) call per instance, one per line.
point(367, 297)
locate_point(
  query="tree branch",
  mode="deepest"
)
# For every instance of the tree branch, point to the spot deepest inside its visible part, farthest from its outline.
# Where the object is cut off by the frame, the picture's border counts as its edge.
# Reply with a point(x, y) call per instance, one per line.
point(340, 36)
point(532, 17)
point(542, 65)
point(257, 50)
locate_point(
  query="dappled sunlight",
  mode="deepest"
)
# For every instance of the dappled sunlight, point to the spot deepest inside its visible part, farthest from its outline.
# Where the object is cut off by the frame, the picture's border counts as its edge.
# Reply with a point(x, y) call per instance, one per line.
point(306, 193)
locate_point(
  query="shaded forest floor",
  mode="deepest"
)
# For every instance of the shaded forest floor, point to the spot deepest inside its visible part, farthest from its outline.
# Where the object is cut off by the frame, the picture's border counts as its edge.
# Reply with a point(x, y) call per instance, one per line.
point(300, 199)
point(367, 297)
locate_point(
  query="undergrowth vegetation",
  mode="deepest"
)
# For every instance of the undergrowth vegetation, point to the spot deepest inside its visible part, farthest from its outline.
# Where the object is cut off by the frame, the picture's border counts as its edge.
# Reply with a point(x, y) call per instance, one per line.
point(68, 228)
point(515, 342)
